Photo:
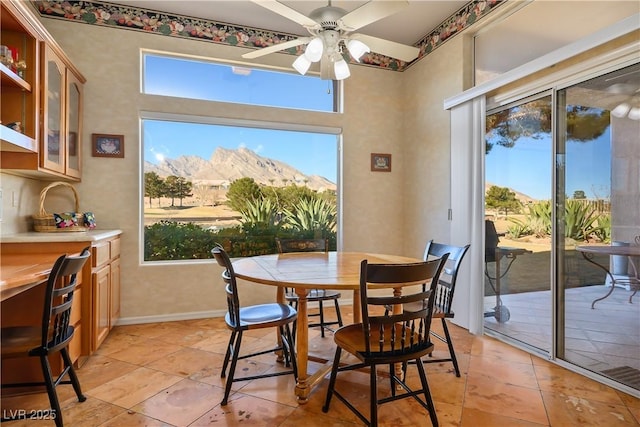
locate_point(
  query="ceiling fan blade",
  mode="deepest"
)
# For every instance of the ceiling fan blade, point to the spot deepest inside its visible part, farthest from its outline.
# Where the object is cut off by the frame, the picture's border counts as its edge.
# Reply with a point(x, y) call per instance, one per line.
point(370, 12)
point(287, 12)
point(388, 48)
point(276, 47)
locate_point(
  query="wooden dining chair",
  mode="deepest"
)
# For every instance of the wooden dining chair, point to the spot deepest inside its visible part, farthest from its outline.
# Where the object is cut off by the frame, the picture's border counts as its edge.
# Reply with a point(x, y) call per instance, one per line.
point(240, 319)
point(51, 338)
point(387, 339)
point(315, 295)
point(442, 306)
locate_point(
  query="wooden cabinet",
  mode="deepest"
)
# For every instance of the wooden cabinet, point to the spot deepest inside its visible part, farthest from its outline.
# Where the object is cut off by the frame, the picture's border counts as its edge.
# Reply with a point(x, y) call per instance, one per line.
point(105, 284)
point(19, 90)
point(97, 299)
point(46, 98)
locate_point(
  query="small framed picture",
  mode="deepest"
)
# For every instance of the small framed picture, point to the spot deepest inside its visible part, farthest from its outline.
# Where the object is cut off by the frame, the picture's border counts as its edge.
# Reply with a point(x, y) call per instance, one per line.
point(380, 162)
point(107, 145)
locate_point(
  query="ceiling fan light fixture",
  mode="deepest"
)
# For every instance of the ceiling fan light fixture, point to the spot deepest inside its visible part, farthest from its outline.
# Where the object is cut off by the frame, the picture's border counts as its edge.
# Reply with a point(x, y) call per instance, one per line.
point(356, 49)
point(302, 64)
point(341, 69)
point(621, 110)
point(314, 50)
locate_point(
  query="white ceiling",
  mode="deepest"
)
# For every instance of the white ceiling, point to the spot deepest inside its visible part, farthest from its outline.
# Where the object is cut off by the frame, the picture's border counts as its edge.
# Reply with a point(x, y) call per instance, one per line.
point(408, 26)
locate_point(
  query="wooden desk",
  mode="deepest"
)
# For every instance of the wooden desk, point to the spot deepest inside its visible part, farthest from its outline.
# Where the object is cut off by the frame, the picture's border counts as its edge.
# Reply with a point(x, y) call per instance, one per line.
point(310, 270)
point(588, 253)
point(22, 272)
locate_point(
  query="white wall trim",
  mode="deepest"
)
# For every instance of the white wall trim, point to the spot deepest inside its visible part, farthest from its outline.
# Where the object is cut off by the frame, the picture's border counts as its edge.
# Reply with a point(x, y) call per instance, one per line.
point(594, 40)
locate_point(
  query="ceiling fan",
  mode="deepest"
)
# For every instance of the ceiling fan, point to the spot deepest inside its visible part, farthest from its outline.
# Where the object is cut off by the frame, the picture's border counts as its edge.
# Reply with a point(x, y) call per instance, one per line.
point(331, 31)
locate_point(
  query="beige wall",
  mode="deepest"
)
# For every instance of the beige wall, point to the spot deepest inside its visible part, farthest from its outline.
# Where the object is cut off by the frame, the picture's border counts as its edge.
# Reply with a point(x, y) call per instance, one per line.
point(380, 209)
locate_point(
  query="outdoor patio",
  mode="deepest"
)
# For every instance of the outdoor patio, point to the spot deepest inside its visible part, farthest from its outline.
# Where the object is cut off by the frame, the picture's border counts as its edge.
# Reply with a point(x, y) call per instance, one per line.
point(605, 339)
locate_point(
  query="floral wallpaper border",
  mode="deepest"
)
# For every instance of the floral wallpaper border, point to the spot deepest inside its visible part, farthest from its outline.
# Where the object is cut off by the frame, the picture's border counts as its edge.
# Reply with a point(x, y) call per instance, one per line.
point(152, 21)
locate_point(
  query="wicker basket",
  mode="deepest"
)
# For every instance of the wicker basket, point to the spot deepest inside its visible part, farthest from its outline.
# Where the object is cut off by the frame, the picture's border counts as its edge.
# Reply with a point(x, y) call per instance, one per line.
point(45, 222)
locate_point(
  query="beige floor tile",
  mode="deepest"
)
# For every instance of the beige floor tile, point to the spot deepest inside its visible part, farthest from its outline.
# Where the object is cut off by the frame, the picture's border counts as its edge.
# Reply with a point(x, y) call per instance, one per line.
point(515, 373)
point(556, 379)
point(243, 410)
point(512, 401)
point(477, 418)
point(566, 410)
point(134, 387)
point(182, 403)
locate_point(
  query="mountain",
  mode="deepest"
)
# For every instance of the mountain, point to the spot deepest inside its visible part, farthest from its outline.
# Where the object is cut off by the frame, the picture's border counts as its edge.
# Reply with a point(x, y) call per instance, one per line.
point(227, 165)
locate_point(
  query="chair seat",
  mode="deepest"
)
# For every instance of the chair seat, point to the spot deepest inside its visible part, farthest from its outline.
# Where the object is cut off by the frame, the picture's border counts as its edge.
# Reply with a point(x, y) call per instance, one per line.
point(264, 316)
point(315, 295)
point(351, 339)
point(17, 341)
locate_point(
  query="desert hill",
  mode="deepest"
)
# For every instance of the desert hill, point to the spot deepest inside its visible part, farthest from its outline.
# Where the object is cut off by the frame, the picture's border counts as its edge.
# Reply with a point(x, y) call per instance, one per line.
point(227, 165)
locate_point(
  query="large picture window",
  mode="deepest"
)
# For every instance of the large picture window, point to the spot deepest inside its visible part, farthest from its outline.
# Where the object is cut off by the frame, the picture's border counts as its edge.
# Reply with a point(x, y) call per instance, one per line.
point(235, 182)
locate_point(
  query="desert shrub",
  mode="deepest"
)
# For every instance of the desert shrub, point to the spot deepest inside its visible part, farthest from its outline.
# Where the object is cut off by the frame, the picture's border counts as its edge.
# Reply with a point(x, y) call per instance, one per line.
point(580, 220)
point(312, 215)
point(602, 231)
point(518, 229)
point(171, 240)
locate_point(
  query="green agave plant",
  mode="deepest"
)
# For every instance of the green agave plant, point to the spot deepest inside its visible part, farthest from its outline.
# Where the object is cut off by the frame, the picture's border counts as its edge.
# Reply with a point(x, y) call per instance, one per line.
point(312, 214)
point(259, 211)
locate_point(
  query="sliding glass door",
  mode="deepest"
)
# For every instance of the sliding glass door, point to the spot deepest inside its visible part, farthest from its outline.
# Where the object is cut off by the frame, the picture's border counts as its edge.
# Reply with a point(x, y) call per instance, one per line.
point(598, 161)
point(562, 174)
point(518, 185)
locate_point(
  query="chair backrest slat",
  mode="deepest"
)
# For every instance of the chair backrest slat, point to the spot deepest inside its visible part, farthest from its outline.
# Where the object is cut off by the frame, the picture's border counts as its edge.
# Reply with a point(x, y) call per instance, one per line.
point(302, 245)
point(231, 287)
point(449, 276)
point(406, 332)
point(60, 288)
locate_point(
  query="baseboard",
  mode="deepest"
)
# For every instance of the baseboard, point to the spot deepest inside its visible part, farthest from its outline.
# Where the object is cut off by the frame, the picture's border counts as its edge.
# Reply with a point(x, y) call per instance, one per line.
point(173, 317)
point(137, 320)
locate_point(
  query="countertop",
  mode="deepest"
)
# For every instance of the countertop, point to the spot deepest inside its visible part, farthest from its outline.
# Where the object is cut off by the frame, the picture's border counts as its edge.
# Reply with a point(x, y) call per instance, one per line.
point(74, 236)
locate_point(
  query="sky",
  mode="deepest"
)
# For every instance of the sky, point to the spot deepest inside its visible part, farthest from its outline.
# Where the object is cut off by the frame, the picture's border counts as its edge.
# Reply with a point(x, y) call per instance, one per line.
point(311, 153)
point(526, 167)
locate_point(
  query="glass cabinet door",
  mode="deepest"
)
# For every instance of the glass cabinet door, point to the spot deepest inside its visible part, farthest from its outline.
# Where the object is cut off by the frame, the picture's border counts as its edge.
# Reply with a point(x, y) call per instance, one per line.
point(74, 125)
point(52, 153)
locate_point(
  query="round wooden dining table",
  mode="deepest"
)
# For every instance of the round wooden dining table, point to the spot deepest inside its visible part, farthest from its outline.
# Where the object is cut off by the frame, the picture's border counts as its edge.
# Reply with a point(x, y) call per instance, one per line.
point(304, 271)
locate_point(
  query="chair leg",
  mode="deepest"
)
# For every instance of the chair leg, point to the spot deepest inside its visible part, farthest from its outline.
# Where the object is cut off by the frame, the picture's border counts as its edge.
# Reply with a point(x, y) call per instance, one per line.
point(373, 415)
point(452, 352)
point(51, 391)
point(427, 393)
point(338, 314)
point(292, 352)
point(72, 375)
point(227, 355)
point(322, 326)
point(391, 378)
point(332, 379)
point(232, 369)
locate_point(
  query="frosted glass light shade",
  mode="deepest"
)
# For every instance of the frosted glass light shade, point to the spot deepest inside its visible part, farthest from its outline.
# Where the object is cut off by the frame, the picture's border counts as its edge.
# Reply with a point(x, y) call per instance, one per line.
point(621, 110)
point(341, 69)
point(302, 64)
point(357, 49)
point(314, 49)
point(634, 113)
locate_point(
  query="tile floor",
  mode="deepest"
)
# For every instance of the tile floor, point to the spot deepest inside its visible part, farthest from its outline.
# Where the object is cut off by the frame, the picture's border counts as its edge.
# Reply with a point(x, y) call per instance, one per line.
point(168, 374)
